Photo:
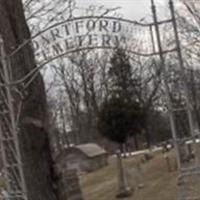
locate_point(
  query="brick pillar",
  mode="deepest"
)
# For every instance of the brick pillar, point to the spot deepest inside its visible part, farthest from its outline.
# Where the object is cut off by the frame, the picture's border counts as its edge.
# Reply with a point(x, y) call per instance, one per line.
point(69, 187)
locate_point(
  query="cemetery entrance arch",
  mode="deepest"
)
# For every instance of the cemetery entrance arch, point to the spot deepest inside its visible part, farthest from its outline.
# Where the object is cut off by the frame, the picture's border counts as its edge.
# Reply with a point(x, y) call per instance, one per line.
point(78, 34)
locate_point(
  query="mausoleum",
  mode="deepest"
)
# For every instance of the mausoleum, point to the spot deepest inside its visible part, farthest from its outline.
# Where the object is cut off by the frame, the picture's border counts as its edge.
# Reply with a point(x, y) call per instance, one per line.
point(84, 158)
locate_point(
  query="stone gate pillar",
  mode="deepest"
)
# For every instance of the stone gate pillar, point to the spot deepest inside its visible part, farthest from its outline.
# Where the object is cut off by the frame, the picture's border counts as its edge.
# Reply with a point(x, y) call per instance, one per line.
point(69, 187)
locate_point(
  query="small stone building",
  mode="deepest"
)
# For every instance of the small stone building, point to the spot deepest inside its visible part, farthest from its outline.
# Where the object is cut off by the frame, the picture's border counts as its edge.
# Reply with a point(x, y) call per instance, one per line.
point(84, 158)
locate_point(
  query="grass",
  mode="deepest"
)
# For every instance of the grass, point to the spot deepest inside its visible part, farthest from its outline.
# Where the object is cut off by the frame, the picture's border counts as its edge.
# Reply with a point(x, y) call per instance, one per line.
point(159, 184)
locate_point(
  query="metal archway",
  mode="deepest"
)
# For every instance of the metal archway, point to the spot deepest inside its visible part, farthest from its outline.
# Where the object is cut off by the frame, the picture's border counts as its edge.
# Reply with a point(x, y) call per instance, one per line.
point(92, 32)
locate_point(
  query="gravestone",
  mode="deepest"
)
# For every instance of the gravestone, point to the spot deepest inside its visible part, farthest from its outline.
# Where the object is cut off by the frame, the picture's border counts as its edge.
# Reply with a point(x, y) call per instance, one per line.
point(168, 162)
point(186, 152)
point(124, 188)
point(183, 153)
point(139, 175)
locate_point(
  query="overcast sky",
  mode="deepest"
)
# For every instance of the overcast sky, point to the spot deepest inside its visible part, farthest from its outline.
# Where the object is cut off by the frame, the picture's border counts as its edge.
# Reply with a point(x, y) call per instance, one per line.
point(131, 9)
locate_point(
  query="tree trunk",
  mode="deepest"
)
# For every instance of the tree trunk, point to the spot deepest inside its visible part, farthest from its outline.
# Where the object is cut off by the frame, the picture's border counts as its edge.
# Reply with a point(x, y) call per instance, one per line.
point(34, 143)
point(136, 142)
point(148, 136)
point(147, 131)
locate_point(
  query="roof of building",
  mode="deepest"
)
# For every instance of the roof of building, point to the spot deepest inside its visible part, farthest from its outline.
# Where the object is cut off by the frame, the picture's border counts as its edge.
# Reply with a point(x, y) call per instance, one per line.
point(90, 149)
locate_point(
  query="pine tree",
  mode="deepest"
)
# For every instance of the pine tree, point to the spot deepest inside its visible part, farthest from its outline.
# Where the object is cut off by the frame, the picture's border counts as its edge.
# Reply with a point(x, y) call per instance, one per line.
point(119, 118)
point(120, 115)
point(120, 73)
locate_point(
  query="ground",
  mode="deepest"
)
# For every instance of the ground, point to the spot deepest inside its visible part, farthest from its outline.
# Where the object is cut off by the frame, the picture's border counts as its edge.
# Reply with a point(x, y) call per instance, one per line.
point(159, 184)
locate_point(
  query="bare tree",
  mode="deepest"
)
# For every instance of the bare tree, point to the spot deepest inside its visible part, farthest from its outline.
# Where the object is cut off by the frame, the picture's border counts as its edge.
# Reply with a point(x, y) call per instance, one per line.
point(81, 80)
point(42, 14)
point(146, 88)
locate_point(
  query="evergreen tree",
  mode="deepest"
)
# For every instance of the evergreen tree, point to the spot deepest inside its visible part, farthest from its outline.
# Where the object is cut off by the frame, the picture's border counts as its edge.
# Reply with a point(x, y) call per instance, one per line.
point(120, 73)
point(119, 118)
point(120, 115)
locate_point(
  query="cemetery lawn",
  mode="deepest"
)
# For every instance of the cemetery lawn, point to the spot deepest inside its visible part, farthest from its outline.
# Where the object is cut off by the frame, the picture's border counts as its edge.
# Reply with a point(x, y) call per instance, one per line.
point(159, 184)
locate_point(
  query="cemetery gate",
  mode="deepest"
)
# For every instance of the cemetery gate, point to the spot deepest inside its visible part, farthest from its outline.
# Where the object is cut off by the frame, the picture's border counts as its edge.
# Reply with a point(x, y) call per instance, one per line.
point(88, 33)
